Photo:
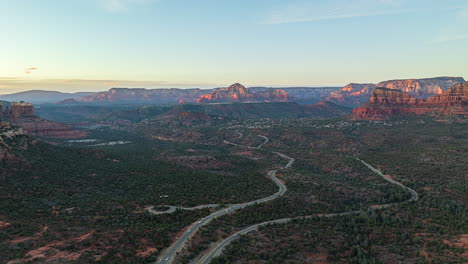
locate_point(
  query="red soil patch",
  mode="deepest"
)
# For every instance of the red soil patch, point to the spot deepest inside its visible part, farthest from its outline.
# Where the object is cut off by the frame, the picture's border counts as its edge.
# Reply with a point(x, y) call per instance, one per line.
point(4, 225)
point(197, 162)
point(20, 240)
point(23, 239)
point(317, 258)
point(51, 252)
point(426, 237)
point(425, 254)
point(146, 252)
point(462, 242)
point(245, 153)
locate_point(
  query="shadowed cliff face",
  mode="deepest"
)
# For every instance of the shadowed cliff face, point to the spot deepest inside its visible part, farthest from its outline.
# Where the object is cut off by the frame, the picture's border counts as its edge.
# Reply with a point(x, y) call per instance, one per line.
point(357, 94)
point(238, 93)
point(352, 94)
point(22, 115)
point(386, 103)
point(39, 127)
point(16, 110)
point(126, 95)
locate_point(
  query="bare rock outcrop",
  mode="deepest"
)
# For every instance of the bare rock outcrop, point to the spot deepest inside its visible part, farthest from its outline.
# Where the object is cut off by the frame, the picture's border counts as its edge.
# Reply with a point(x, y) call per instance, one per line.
point(352, 94)
point(22, 115)
point(16, 110)
point(238, 93)
point(355, 94)
point(387, 103)
point(423, 88)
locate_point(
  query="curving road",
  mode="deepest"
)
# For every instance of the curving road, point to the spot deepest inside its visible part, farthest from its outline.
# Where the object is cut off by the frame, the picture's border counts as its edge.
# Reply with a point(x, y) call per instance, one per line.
point(173, 208)
point(169, 255)
point(266, 140)
point(218, 248)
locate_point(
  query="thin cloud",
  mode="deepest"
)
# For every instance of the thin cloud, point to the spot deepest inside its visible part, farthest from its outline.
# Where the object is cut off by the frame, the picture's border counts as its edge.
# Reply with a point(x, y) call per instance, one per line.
point(287, 20)
point(454, 29)
point(449, 38)
point(10, 85)
point(121, 5)
point(30, 70)
point(334, 9)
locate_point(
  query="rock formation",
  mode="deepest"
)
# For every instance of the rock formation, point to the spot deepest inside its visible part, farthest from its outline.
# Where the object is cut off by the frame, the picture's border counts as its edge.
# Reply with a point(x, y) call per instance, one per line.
point(386, 103)
point(356, 94)
point(423, 88)
point(352, 94)
point(16, 110)
point(273, 95)
point(22, 115)
point(138, 95)
point(304, 95)
point(39, 127)
point(238, 93)
point(159, 96)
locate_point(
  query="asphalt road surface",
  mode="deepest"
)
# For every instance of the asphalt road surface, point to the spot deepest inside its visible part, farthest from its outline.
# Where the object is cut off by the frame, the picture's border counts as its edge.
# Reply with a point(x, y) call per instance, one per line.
point(219, 247)
point(170, 254)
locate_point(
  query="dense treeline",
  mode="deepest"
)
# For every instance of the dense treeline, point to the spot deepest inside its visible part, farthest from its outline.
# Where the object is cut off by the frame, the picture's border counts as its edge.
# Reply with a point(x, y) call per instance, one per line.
point(427, 156)
point(103, 190)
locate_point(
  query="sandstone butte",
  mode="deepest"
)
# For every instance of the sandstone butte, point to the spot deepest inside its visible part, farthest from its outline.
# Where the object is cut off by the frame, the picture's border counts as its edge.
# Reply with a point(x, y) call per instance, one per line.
point(238, 93)
point(22, 115)
point(386, 103)
point(355, 94)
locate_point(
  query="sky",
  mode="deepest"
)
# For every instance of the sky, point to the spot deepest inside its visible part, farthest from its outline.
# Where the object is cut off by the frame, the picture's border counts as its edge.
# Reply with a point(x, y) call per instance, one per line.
point(93, 45)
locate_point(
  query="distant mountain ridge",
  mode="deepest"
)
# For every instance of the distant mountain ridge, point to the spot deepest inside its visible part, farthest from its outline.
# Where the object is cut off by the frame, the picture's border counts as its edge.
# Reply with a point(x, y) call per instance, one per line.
point(351, 95)
point(176, 95)
point(355, 94)
point(41, 96)
point(387, 103)
point(142, 95)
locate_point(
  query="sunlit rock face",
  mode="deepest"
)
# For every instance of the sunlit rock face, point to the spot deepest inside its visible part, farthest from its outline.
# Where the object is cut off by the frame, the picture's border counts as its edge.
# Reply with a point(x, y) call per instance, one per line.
point(356, 94)
point(423, 88)
point(353, 94)
point(238, 93)
point(386, 103)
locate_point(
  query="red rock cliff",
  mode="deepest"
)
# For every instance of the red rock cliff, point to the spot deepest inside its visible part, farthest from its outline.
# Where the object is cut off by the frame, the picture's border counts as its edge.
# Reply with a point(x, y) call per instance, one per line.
point(423, 88)
point(22, 115)
point(355, 94)
point(16, 110)
point(352, 94)
point(238, 93)
point(385, 103)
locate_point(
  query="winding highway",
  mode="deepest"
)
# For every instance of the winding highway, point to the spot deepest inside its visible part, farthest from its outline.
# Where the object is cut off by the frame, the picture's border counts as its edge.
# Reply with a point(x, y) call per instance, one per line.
point(173, 208)
point(266, 140)
point(217, 249)
point(169, 255)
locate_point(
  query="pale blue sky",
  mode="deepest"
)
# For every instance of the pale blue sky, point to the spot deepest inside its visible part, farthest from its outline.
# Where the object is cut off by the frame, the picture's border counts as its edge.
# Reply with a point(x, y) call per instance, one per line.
point(80, 45)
